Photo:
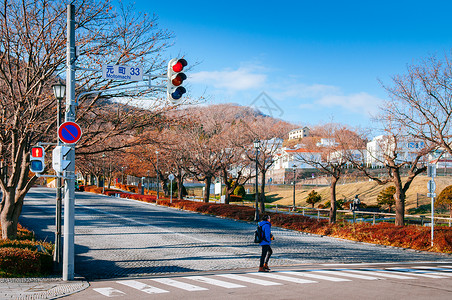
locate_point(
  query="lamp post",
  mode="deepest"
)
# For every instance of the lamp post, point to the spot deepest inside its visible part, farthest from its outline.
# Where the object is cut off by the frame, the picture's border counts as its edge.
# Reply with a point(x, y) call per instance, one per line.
point(158, 176)
point(103, 173)
point(294, 176)
point(257, 146)
point(59, 90)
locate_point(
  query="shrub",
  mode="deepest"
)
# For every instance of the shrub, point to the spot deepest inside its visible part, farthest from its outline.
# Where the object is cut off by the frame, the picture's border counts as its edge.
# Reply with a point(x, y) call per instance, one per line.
point(240, 191)
point(386, 197)
point(313, 198)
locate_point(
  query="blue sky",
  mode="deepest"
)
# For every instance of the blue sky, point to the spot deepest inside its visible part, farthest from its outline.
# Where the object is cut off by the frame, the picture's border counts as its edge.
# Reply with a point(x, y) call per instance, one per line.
point(316, 61)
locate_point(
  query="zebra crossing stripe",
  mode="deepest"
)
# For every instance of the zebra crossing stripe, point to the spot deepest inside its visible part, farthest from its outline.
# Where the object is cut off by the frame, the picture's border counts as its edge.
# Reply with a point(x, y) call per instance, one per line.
point(180, 285)
point(249, 279)
point(216, 282)
point(338, 273)
point(284, 278)
point(315, 276)
point(446, 271)
point(142, 287)
point(109, 292)
point(377, 274)
point(417, 272)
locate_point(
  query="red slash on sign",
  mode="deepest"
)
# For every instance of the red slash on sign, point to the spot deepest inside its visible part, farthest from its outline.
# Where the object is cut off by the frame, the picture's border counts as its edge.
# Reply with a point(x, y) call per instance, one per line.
point(69, 132)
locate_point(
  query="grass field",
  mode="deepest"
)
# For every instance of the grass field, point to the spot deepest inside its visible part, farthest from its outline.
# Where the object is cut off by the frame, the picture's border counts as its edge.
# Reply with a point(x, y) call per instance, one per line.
point(367, 191)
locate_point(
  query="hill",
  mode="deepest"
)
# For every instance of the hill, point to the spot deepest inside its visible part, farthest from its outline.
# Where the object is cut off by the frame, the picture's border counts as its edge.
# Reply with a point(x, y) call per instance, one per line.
point(367, 191)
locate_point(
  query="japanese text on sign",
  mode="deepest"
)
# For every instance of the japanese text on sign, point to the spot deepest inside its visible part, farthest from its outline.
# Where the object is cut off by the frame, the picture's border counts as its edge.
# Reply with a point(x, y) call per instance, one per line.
point(122, 72)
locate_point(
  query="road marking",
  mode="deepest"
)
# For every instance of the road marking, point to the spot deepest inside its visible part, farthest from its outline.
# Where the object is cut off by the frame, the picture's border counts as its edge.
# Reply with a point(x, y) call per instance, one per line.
point(284, 278)
point(109, 292)
point(376, 273)
point(416, 272)
point(249, 279)
point(142, 287)
point(315, 276)
point(443, 270)
point(216, 282)
point(339, 273)
point(180, 285)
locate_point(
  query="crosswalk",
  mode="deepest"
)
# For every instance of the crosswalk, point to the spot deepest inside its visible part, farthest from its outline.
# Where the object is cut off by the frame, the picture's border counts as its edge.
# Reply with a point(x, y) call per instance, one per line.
point(252, 279)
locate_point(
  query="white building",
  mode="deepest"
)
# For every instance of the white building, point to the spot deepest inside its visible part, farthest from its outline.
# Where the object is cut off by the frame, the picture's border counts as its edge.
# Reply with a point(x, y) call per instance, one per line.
point(381, 145)
point(299, 133)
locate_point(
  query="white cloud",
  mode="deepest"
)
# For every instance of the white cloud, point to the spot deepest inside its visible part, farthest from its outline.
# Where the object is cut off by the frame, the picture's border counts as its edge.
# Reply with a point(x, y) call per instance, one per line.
point(244, 78)
point(358, 103)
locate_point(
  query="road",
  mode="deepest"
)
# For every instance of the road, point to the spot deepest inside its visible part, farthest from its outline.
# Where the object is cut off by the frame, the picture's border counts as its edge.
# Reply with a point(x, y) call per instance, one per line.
point(119, 239)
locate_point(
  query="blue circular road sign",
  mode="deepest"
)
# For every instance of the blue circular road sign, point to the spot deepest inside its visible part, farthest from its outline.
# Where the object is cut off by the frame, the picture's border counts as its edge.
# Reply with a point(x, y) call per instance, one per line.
point(69, 132)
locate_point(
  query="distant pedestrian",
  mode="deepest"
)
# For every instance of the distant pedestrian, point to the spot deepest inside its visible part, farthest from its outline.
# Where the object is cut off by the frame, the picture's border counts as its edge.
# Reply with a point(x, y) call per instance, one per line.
point(356, 202)
point(267, 238)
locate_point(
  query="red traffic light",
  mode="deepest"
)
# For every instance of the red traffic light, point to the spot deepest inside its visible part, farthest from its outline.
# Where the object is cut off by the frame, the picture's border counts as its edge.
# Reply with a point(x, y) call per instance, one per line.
point(37, 152)
point(179, 65)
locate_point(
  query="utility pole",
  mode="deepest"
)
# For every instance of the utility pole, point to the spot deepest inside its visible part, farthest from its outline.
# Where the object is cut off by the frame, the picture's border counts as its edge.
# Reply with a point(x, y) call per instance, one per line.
point(69, 174)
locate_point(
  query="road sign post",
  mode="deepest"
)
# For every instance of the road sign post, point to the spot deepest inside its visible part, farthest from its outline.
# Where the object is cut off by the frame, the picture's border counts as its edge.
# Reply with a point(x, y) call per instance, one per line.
point(431, 192)
point(171, 178)
point(69, 173)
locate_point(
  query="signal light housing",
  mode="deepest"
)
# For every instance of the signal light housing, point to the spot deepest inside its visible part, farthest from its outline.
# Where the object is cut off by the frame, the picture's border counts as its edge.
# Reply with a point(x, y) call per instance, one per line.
point(37, 156)
point(174, 89)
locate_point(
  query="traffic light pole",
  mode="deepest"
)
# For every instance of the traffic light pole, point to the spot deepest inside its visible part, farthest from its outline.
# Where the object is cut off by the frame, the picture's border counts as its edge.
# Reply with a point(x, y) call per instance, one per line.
point(69, 174)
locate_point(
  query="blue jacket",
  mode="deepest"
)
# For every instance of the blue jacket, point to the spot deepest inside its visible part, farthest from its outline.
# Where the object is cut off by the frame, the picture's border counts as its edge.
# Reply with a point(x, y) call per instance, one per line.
point(266, 232)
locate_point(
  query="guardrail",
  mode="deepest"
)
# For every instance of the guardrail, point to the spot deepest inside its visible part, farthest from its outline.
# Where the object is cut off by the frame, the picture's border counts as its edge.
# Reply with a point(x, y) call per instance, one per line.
point(366, 216)
point(345, 214)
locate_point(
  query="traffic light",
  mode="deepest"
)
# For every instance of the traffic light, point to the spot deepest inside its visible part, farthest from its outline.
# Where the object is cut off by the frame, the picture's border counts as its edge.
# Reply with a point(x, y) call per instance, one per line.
point(60, 164)
point(175, 90)
point(37, 164)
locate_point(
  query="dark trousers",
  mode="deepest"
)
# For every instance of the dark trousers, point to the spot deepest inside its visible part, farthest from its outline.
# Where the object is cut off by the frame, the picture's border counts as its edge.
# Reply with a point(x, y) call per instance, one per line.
point(266, 253)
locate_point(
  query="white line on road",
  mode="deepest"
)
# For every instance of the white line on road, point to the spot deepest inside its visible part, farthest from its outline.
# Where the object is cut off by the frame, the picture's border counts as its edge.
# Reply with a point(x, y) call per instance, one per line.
point(109, 292)
point(249, 279)
point(375, 272)
point(339, 273)
point(315, 276)
point(180, 285)
point(417, 272)
point(142, 287)
point(283, 278)
point(216, 282)
point(444, 270)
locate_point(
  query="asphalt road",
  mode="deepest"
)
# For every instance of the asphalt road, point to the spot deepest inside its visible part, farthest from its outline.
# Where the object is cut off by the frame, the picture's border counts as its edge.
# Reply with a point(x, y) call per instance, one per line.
point(119, 238)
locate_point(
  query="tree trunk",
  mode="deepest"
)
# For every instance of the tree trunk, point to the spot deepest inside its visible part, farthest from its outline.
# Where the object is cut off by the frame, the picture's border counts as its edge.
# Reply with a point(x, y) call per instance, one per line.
point(399, 197)
point(180, 186)
point(262, 194)
point(333, 207)
point(207, 181)
point(9, 217)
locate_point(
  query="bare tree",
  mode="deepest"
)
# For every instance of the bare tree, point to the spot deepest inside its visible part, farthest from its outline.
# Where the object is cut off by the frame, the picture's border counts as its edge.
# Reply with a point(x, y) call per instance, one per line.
point(32, 55)
point(271, 133)
point(421, 101)
point(327, 152)
point(400, 154)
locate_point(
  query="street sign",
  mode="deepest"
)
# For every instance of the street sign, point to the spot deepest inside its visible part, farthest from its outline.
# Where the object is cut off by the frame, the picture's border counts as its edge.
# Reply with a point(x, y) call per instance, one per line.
point(431, 186)
point(122, 72)
point(431, 171)
point(69, 132)
point(171, 177)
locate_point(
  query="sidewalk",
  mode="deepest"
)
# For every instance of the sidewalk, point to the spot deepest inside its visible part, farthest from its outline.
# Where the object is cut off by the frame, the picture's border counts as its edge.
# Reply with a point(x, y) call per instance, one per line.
point(39, 288)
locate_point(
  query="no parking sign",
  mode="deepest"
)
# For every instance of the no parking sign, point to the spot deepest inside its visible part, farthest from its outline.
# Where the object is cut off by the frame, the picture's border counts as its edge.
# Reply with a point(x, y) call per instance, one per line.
point(69, 132)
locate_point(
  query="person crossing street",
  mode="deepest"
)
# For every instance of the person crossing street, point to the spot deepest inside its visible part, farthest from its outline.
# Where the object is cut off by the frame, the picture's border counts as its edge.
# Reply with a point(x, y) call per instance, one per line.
point(267, 237)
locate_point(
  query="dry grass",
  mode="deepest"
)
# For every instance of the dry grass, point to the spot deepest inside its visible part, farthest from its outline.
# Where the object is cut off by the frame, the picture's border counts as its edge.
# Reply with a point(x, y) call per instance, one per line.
point(367, 191)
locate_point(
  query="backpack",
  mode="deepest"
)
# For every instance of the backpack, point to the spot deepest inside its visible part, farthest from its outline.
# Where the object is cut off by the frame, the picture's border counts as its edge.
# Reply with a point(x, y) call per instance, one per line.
point(258, 235)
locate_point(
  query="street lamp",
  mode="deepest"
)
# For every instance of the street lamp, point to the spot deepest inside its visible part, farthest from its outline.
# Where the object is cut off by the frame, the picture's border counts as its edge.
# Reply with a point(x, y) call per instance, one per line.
point(257, 146)
point(158, 177)
point(59, 90)
point(103, 173)
point(294, 175)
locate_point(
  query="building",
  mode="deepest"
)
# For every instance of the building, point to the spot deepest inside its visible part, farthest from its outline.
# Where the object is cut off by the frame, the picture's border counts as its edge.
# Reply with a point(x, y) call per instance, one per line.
point(299, 133)
point(407, 150)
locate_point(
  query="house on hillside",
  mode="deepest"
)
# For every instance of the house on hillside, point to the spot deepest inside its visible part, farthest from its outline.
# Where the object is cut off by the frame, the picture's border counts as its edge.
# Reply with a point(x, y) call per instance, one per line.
point(299, 133)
